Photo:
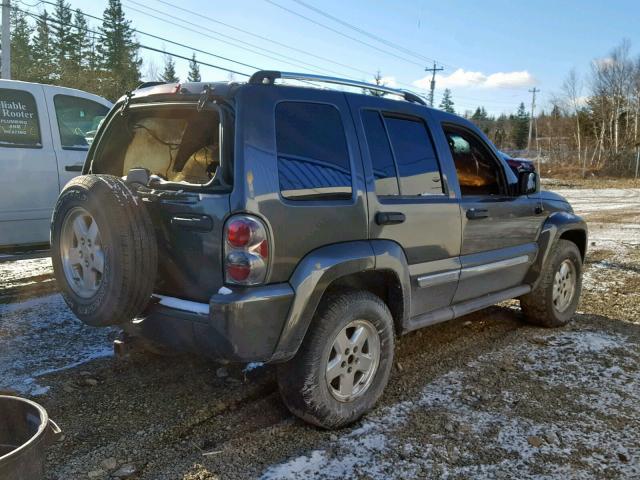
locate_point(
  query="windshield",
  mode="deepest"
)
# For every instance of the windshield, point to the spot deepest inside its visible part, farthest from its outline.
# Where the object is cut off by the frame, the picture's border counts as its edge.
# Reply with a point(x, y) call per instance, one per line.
point(176, 144)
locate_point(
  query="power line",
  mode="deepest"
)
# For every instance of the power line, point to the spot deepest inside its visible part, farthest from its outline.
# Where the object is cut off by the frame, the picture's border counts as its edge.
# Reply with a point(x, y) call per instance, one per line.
point(145, 47)
point(266, 39)
point(377, 38)
point(434, 69)
point(226, 38)
point(350, 37)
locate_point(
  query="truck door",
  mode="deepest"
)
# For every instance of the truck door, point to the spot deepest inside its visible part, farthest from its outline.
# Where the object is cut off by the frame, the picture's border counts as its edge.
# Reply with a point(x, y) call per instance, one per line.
point(499, 228)
point(29, 175)
point(74, 121)
point(409, 199)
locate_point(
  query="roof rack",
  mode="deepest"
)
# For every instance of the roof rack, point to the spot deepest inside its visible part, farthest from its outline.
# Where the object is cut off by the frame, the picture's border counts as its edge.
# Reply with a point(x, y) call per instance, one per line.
point(268, 77)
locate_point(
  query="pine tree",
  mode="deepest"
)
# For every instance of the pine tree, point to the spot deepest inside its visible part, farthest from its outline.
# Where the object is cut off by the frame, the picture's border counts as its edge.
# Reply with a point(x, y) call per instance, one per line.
point(81, 63)
point(42, 51)
point(62, 39)
point(194, 70)
point(169, 73)
point(520, 131)
point(447, 103)
point(21, 48)
point(117, 53)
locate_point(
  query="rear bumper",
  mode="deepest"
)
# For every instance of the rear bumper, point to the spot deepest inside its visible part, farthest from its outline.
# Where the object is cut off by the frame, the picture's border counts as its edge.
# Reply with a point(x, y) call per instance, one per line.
point(242, 325)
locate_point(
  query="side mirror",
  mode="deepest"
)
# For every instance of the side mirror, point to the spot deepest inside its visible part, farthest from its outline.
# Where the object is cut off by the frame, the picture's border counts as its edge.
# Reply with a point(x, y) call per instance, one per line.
point(528, 183)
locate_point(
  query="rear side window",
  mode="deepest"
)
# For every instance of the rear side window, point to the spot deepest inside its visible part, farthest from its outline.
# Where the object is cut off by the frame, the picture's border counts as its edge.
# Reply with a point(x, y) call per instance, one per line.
point(415, 156)
point(384, 168)
point(19, 125)
point(313, 158)
point(78, 119)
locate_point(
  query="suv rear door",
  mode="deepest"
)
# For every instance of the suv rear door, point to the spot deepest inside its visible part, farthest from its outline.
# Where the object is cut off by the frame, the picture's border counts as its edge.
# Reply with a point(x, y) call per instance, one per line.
point(409, 197)
point(499, 227)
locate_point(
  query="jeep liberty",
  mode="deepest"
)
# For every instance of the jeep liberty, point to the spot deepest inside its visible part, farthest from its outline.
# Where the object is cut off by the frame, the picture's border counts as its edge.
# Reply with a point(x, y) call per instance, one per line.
point(307, 227)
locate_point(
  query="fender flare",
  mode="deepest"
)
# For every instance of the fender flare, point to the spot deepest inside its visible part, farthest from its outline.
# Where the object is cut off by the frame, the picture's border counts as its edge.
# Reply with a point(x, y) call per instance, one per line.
point(553, 228)
point(319, 268)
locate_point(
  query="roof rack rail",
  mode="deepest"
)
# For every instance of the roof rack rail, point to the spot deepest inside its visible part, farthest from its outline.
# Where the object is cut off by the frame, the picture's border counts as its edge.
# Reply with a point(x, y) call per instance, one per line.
point(150, 84)
point(269, 77)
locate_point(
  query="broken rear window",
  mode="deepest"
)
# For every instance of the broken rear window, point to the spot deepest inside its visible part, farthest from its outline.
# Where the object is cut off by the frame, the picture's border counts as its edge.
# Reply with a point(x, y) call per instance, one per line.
point(176, 144)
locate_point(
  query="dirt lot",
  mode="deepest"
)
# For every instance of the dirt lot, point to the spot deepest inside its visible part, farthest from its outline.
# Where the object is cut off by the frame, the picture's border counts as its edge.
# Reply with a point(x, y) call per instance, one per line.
point(485, 396)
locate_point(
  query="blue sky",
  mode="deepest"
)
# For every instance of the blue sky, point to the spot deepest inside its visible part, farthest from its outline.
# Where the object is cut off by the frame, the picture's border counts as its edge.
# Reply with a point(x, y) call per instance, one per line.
point(493, 51)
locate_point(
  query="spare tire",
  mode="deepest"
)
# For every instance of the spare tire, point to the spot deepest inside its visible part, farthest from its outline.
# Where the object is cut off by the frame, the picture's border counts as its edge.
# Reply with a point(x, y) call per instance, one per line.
point(104, 250)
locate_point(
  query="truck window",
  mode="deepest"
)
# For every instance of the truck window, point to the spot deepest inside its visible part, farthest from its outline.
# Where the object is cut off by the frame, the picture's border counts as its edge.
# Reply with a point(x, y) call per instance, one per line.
point(415, 156)
point(313, 158)
point(478, 173)
point(78, 119)
point(384, 168)
point(19, 124)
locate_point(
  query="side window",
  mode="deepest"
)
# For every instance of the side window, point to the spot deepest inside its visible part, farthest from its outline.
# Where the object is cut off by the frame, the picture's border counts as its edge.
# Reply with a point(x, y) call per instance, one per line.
point(313, 158)
point(78, 119)
point(418, 167)
point(384, 168)
point(19, 125)
point(478, 173)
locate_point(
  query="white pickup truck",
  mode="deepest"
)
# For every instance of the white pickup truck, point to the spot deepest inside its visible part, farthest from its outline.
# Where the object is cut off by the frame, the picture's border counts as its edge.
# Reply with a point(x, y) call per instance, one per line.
point(45, 132)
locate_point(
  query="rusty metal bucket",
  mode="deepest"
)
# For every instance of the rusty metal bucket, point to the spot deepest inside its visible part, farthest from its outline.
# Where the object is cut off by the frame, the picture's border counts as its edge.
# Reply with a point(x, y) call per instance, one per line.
point(25, 431)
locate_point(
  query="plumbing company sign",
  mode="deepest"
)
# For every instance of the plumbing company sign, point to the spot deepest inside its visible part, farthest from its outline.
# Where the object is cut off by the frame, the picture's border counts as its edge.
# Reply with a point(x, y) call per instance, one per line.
point(18, 119)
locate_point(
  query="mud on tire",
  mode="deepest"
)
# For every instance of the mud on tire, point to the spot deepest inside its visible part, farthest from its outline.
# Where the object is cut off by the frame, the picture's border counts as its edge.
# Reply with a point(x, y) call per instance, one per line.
point(301, 380)
point(129, 253)
point(538, 306)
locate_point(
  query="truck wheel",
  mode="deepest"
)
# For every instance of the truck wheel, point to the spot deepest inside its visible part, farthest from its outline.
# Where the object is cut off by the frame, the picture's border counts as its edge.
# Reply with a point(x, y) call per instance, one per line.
point(555, 299)
point(344, 362)
point(103, 249)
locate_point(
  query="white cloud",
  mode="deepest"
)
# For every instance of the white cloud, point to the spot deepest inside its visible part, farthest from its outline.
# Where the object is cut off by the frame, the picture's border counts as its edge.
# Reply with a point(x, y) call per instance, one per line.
point(463, 78)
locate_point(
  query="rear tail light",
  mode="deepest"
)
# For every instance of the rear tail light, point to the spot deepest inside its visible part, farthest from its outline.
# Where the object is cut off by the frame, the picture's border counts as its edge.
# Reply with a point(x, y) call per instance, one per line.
point(246, 250)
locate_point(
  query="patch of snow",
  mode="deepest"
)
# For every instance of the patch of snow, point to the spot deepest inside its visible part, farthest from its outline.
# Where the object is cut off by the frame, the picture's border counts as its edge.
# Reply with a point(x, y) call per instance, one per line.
point(252, 366)
point(225, 291)
point(569, 362)
point(40, 336)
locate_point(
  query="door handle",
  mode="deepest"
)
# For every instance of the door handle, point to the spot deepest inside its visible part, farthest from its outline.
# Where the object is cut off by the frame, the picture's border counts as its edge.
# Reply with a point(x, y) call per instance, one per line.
point(475, 213)
point(539, 209)
point(73, 168)
point(389, 218)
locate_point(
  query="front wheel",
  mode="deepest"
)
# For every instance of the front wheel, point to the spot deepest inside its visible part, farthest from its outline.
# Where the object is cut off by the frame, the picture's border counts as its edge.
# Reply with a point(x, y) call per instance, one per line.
point(344, 362)
point(554, 301)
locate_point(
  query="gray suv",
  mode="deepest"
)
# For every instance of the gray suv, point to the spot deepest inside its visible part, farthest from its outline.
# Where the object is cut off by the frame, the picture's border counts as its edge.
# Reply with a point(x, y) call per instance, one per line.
point(307, 227)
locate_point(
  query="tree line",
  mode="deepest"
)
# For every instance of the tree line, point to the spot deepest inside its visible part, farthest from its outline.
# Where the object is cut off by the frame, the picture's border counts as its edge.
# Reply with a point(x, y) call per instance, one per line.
point(591, 127)
point(61, 48)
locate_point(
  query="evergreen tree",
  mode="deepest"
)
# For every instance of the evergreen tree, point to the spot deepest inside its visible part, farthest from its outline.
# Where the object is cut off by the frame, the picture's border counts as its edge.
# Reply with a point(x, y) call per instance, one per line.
point(194, 70)
point(500, 134)
point(520, 131)
point(62, 39)
point(169, 73)
point(42, 51)
point(117, 53)
point(21, 48)
point(82, 64)
point(447, 103)
point(480, 114)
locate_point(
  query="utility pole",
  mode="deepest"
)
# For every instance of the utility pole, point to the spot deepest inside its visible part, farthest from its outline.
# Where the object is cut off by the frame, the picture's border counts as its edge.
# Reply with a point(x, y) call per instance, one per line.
point(534, 90)
point(433, 80)
point(6, 40)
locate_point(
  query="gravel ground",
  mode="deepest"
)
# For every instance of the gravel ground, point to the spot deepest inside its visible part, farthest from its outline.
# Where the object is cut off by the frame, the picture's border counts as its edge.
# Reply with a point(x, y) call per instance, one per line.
point(484, 396)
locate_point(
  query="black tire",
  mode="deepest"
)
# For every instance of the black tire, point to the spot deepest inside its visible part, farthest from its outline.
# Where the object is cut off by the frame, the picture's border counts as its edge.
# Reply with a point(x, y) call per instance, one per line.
point(129, 246)
point(538, 306)
point(302, 379)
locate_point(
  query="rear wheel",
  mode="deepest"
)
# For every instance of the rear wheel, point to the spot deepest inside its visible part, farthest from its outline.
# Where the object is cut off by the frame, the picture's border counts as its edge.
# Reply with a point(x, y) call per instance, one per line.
point(344, 362)
point(554, 300)
point(103, 250)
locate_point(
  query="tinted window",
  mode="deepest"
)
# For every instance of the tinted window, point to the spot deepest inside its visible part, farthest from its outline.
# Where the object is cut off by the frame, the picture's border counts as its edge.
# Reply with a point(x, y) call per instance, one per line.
point(19, 125)
point(478, 173)
point(78, 120)
point(417, 163)
point(313, 159)
point(384, 168)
